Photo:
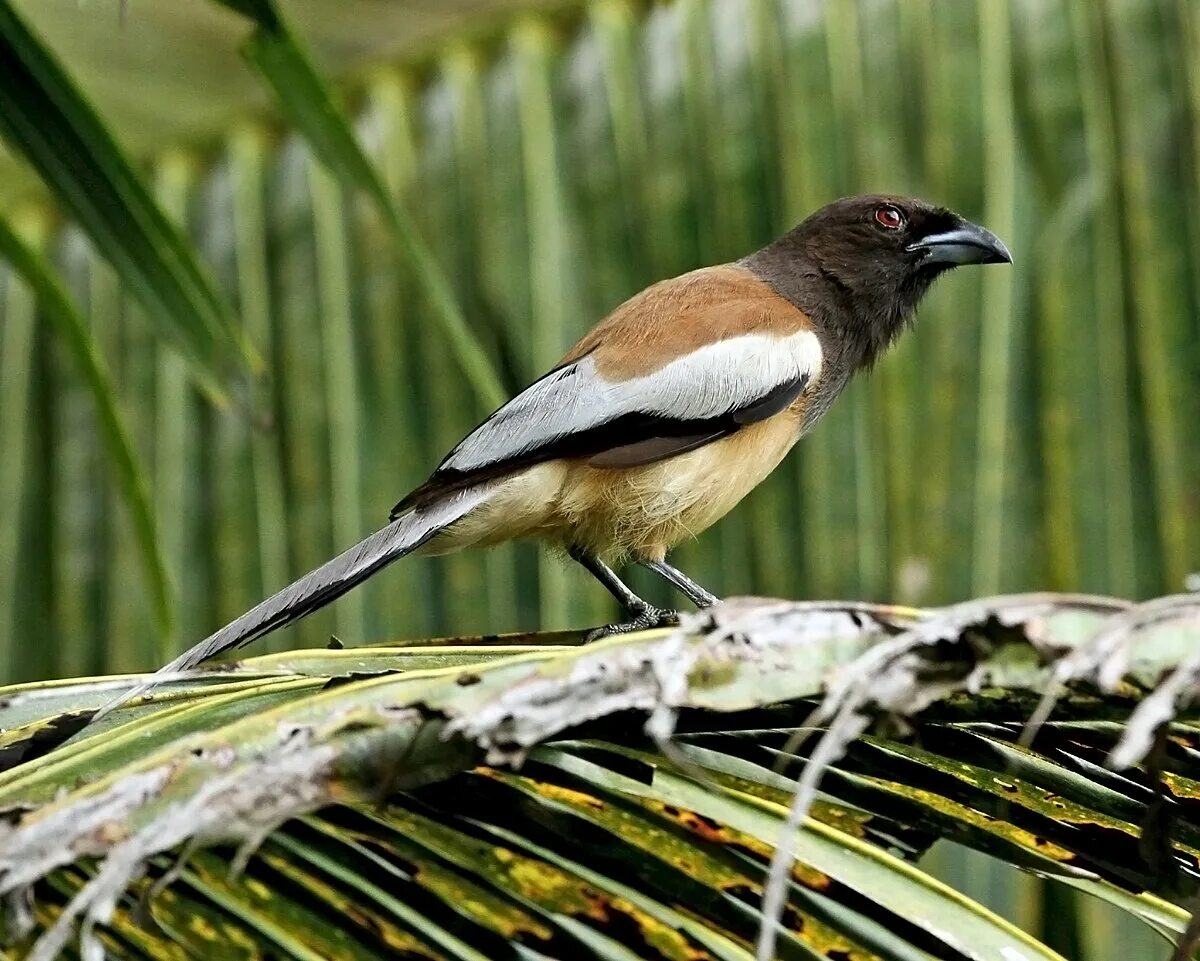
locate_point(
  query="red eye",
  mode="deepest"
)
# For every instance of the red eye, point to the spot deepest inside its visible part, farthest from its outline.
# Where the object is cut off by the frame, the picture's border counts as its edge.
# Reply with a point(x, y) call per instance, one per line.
point(889, 217)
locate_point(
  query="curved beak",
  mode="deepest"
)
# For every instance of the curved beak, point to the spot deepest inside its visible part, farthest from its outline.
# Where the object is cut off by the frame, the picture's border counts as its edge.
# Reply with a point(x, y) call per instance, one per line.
point(967, 243)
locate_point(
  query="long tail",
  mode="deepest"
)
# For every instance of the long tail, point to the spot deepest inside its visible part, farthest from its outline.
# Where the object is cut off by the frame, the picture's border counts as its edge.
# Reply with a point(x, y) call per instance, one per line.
point(319, 587)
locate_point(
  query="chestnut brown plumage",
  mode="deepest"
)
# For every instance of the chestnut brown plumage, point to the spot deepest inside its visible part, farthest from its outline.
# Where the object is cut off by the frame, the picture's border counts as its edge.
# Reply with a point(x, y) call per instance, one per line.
point(668, 412)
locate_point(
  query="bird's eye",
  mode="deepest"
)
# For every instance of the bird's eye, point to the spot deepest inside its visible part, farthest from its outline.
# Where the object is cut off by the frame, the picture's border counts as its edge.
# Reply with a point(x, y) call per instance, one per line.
point(889, 217)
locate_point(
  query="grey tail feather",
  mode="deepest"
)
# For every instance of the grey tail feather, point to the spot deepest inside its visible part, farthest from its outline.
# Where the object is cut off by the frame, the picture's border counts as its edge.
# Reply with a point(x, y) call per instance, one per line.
point(318, 587)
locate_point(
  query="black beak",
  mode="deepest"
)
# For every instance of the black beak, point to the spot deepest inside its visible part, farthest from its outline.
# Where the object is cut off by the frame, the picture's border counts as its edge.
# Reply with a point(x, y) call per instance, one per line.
point(967, 243)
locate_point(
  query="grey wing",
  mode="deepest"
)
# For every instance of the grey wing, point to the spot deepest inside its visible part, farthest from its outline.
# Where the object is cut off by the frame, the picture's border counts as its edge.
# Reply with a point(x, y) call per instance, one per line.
point(574, 411)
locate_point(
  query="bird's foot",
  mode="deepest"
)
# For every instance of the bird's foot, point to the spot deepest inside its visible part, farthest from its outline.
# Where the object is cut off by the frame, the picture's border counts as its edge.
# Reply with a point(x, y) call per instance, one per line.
point(643, 619)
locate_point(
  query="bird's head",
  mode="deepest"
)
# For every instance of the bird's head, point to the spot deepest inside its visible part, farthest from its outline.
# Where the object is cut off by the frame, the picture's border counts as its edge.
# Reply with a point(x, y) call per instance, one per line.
point(864, 241)
point(875, 256)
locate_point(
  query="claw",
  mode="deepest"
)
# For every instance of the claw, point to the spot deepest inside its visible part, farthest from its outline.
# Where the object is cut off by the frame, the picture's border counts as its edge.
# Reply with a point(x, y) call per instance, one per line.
point(644, 620)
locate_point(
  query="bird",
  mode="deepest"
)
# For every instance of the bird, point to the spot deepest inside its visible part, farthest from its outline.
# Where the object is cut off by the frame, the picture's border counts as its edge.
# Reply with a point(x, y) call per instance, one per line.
point(666, 414)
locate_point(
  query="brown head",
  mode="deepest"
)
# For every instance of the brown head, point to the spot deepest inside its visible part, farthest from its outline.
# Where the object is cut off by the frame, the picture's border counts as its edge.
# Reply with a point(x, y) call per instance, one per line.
point(859, 266)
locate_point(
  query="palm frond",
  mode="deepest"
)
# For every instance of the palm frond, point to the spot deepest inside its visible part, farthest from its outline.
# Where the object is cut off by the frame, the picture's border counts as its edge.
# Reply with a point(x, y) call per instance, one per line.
point(50, 121)
point(616, 800)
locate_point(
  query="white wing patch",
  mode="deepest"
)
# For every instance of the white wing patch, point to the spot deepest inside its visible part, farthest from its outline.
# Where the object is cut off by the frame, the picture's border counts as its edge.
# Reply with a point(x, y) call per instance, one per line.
point(716, 379)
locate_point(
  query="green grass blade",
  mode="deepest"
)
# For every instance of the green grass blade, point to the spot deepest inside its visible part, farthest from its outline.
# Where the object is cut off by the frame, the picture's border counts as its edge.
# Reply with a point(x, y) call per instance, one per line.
point(129, 474)
point(75, 499)
point(16, 375)
point(48, 120)
point(341, 393)
point(1123, 575)
point(247, 157)
point(230, 538)
point(1187, 19)
point(1158, 275)
point(301, 411)
point(177, 451)
point(996, 341)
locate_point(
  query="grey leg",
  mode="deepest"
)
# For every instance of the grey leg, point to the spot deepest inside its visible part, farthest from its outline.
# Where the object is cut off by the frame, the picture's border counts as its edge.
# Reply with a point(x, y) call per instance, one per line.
point(641, 616)
point(629, 601)
point(688, 587)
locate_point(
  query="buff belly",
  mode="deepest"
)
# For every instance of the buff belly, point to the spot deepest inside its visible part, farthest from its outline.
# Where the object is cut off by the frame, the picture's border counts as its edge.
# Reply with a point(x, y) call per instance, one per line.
point(615, 513)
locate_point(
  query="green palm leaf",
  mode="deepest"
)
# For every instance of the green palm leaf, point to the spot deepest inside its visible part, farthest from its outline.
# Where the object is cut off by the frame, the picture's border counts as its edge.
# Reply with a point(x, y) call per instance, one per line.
point(505, 801)
point(49, 120)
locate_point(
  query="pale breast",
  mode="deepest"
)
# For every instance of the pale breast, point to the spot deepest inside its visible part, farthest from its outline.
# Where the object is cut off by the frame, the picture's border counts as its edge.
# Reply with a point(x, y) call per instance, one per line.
point(645, 511)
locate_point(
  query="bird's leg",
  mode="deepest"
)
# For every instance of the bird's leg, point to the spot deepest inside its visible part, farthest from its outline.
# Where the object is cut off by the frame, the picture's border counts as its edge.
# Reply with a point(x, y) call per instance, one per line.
point(688, 587)
point(640, 615)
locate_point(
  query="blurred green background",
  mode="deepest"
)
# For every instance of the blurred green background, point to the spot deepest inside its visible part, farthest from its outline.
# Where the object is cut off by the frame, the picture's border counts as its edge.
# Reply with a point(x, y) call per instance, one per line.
point(1037, 430)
